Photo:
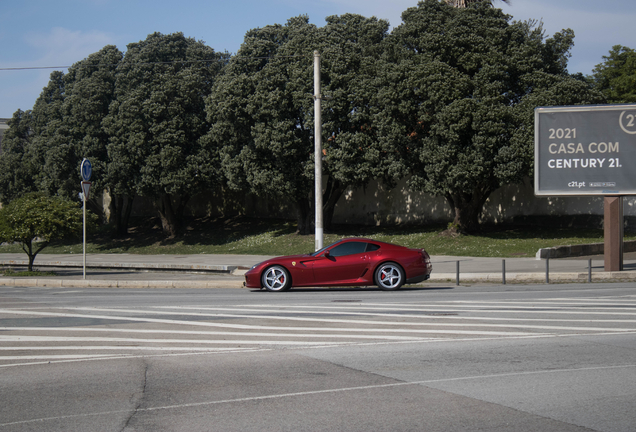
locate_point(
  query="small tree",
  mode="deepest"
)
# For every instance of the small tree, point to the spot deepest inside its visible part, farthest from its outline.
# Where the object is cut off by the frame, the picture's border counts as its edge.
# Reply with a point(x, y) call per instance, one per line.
point(38, 217)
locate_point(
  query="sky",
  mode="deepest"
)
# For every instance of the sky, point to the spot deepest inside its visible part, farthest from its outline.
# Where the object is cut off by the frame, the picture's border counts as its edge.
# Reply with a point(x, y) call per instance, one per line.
point(43, 33)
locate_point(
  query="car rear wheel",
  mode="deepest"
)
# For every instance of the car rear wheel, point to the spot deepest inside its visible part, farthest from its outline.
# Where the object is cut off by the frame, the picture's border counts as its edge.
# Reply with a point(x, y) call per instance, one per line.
point(389, 276)
point(276, 278)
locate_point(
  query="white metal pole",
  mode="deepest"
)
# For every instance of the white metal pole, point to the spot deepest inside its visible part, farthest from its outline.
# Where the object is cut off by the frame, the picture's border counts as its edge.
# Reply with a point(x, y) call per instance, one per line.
point(318, 150)
point(84, 242)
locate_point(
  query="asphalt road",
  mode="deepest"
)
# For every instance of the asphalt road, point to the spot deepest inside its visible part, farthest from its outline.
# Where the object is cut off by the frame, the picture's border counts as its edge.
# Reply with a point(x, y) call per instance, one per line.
point(494, 358)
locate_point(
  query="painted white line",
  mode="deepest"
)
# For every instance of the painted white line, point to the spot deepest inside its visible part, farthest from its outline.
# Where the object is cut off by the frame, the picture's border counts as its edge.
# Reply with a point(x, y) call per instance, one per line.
point(58, 357)
point(209, 333)
point(144, 356)
point(23, 338)
point(575, 303)
point(554, 309)
point(108, 348)
point(342, 321)
point(445, 314)
point(312, 310)
point(315, 392)
point(252, 327)
point(326, 345)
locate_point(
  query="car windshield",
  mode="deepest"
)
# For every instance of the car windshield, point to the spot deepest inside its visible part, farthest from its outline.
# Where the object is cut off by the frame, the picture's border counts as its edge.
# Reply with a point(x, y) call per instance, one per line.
point(319, 251)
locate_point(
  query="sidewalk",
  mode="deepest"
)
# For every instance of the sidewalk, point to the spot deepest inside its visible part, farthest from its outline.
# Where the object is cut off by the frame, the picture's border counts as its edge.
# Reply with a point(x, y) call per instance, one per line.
point(226, 271)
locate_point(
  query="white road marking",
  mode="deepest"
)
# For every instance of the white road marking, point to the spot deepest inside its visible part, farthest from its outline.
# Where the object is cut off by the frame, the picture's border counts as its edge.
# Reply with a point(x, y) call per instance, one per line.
point(421, 324)
point(210, 333)
point(343, 321)
point(244, 326)
point(24, 338)
point(108, 347)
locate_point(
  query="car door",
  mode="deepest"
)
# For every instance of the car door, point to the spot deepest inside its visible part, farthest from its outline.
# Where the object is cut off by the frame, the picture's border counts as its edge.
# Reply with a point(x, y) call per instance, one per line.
point(346, 262)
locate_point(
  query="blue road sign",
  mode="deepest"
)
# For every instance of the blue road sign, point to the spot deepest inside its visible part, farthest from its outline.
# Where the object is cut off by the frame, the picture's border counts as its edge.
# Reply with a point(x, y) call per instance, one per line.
point(87, 170)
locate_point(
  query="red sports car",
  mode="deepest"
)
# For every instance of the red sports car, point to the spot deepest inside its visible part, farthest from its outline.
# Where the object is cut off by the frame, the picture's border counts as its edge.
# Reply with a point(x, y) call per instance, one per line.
point(348, 262)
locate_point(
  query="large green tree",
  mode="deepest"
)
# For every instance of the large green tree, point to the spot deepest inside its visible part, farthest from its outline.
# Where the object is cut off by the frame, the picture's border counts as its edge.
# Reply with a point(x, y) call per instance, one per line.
point(156, 120)
point(46, 145)
point(90, 89)
point(460, 109)
point(262, 115)
point(616, 76)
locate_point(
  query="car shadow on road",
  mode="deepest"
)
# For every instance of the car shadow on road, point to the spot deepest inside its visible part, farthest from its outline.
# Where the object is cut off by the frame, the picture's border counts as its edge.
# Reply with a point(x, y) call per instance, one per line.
point(362, 289)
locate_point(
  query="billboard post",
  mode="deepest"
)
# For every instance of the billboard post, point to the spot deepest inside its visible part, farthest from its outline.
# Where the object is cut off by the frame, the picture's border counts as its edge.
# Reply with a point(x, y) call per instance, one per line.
point(613, 231)
point(589, 150)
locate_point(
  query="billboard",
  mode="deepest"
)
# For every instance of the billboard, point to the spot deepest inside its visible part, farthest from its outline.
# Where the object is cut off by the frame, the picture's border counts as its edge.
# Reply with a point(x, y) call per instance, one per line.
point(585, 150)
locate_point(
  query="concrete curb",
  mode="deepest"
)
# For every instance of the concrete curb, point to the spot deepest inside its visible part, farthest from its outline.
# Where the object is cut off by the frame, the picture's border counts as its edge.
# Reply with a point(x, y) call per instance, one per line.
point(535, 277)
point(580, 250)
point(195, 284)
point(132, 266)
point(101, 283)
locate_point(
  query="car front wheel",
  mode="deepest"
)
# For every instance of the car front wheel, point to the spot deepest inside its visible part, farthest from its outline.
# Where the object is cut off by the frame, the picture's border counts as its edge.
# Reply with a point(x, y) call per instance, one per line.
point(276, 278)
point(389, 276)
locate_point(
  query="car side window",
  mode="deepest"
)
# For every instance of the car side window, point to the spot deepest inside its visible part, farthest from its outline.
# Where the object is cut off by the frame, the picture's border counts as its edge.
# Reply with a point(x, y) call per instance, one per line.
point(372, 247)
point(348, 248)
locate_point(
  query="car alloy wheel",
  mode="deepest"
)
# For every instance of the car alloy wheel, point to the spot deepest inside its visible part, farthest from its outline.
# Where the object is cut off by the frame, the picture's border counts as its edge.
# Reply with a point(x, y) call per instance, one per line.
point(389, 276)
point(276, 278)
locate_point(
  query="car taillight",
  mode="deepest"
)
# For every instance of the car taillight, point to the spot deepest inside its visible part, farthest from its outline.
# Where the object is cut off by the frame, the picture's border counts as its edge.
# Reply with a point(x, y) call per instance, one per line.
point(427, 259)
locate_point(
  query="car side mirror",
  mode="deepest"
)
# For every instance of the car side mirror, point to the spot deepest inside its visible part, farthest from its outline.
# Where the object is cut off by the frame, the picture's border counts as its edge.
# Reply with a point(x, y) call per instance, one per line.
point(326, 254)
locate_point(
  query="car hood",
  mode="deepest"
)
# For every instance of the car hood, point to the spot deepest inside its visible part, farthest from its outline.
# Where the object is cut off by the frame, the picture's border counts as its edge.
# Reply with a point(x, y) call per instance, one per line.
point(286, 258)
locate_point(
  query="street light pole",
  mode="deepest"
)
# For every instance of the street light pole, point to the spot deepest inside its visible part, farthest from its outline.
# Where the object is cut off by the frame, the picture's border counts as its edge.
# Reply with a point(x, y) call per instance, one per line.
point(318, 151)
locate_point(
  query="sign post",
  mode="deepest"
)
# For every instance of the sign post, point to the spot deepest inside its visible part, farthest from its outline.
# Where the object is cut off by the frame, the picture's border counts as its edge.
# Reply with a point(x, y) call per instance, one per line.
point(86, 171)
point(589, 150)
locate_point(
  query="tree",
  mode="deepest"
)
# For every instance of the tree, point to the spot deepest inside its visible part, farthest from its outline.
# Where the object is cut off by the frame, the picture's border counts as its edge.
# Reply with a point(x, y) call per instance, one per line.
point(89, 90)
point(35, 220)
point(460, 111)
point(156, 121)
point(28, 141)
point(262, 116)
point(352, 49)
point(16, 171)
point(616, 76)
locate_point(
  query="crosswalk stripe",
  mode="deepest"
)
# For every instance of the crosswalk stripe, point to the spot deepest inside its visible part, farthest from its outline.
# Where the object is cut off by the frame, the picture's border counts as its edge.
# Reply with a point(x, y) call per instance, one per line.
point(204, 330)
point(365, 322)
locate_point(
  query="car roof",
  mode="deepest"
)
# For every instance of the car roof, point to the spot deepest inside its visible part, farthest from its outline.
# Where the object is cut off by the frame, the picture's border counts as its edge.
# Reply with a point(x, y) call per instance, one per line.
point(367, 240)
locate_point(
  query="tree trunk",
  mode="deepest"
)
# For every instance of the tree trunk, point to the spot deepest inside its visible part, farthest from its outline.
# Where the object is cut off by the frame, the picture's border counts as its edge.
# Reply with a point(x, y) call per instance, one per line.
point(169, 222)
point(122, 207)
point(332, 195)
point(171, 215)
point(30, 254)
point(303, 217)
point(467, 208)
point(27, 247)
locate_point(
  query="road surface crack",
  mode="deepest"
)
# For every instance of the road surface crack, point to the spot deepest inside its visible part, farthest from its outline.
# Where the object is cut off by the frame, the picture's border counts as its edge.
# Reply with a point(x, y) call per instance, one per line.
point(137, 397)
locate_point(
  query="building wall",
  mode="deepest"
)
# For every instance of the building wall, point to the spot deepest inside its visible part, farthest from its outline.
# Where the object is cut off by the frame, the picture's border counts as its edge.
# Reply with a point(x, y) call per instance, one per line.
point(3, 126)
point(378, 206)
